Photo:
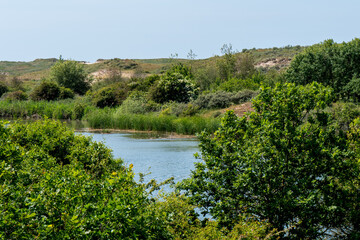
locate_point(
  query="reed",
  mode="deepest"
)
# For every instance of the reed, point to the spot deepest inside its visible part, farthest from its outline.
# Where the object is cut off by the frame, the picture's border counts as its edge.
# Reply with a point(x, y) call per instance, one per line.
point(151, 122)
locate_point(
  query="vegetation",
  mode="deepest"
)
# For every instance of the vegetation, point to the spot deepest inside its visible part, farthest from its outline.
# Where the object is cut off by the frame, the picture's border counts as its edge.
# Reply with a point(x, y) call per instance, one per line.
point(334, 65)
point(70, 74)
point(175, 85)
point(56, 184)
point(50, 91)
point(287, 170)
point(288, 163)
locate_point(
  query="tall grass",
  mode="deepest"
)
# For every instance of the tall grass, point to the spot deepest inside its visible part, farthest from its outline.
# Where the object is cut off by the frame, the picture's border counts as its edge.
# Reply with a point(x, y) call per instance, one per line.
point(151, 122)
point(107, 118)
point(65, 109)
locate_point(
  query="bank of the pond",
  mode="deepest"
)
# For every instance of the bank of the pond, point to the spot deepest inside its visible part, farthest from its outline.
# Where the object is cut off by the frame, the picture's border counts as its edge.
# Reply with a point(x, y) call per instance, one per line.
point(151, 122)
point(107, 118)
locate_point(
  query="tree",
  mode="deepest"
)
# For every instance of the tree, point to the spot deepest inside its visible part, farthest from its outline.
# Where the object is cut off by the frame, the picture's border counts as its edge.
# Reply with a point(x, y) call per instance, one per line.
point(227, 64)
point(175, 85)
point(56, 184)
point(71, 74)
point(286, 163)
point(329, 63)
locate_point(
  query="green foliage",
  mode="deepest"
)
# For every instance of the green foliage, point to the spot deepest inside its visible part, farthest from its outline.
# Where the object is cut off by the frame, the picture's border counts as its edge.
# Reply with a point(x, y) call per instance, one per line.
point(64, 109)
point(236, 84)
point(66, 93)
point(138, 103)
point(352, 89)
point(16, 96)
point(329, 63)
point(223, 99)
point(174, 86)
point(58, 185)
point(45, 91)
point(286, 163)
point(70, 74)
point(3, 88)
point(227, 64)
point(110, 96)
point(233, 64)
point(110, 118)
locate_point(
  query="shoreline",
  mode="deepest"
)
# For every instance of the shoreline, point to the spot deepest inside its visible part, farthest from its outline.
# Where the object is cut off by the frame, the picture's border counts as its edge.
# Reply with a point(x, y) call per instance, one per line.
point(164, 135)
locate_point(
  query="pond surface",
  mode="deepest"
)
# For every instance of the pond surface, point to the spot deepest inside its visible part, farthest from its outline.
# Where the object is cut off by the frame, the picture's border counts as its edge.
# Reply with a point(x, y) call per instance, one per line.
point(161, 157)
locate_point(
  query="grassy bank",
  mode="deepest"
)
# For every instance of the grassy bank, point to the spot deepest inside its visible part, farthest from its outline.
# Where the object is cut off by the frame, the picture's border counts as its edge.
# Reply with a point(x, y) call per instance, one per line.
point(106, 118)
point(65, 109)
point(150, 122)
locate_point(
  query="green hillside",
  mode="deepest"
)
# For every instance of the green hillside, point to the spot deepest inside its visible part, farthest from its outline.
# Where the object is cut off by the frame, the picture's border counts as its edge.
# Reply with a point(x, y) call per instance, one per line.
point(277, 58)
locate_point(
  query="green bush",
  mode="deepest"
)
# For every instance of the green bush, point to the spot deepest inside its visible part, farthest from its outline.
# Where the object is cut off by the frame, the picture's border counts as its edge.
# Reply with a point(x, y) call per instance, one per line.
point(66, 93)
point(329, 63)
point(221, 99)
point(236, 85)
point(58, 185)
point(17, 95)
point(45, 91)
point(3, 88)
point(286, 163)
point(71, 74)
point(110, 96)
point(174, 87)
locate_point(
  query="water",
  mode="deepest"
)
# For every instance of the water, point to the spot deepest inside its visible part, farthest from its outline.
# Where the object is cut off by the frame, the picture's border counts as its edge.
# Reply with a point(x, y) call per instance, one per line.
point(161, 157)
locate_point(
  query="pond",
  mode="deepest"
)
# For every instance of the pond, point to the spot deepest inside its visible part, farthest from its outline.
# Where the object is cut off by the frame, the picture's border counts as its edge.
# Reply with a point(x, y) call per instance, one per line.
point(161, 158)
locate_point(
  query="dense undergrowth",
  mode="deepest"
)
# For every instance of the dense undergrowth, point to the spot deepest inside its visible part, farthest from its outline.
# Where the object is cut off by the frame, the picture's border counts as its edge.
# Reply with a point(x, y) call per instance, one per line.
point(58, 185)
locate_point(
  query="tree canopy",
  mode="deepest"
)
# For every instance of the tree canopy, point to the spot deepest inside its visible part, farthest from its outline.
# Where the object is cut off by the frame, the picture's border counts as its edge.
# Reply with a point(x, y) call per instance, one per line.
point(287, 163)
point(70, 74)
point(329, 63)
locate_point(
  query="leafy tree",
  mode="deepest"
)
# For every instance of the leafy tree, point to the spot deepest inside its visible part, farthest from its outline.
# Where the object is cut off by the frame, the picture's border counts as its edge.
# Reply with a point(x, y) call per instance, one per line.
point(227, 64)
point(71, 74)
point(175, 85)
point(329, 63)
point(244, 66)
point(352, 89)
point(286, 163)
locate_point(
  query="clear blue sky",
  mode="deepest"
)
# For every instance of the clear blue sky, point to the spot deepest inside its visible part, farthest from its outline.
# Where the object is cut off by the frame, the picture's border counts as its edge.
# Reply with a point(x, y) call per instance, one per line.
point(92, 29)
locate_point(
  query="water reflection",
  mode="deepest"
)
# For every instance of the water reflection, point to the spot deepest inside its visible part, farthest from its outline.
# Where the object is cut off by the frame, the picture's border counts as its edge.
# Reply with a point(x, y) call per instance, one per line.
point(164, 158)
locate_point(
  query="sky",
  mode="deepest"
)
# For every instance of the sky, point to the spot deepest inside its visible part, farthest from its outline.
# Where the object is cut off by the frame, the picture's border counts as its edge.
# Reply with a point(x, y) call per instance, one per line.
point(87, 30)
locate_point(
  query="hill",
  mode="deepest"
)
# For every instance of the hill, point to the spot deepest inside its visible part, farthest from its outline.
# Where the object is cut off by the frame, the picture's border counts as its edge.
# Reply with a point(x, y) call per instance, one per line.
point(277, 58)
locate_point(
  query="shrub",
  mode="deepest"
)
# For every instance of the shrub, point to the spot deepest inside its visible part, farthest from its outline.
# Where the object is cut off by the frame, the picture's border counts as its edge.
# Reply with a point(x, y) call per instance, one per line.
point(174, 86)
point(3, 88)
point(236, 85)
point(285, 163)
point(329, 63)
point(46, 91)
point(70, 74)
point(110, 96)
point(66, 93)
point(17, 95)
point(58, 185)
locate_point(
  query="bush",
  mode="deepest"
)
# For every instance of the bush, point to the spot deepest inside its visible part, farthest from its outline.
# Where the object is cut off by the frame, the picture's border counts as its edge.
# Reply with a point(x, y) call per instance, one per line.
point(110, 96)
point(46, 91)
point(58, 185)
point(329, 63)
point(17, 95)
point(174, 87)
point(3, 88)
point(285, 163)
point(70, 74)
point(223, 99)
point(66, 93)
